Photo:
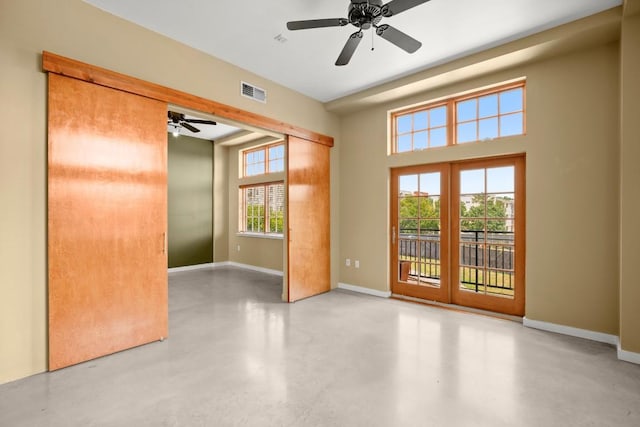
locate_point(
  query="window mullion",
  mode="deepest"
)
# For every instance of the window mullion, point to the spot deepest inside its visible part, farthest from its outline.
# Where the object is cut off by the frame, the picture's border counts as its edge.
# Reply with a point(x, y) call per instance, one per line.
point(451, 119)
point(266, 160)
point(266, 208)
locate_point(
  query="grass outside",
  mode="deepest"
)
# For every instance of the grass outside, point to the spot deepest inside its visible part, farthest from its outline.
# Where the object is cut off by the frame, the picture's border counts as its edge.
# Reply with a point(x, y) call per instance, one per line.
point(493, 282)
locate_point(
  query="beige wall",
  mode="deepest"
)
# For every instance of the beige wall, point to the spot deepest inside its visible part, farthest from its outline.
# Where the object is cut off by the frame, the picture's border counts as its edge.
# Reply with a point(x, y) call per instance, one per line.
point(630, 181)
point(572, 186)
point(77, 30)
point(264, 252)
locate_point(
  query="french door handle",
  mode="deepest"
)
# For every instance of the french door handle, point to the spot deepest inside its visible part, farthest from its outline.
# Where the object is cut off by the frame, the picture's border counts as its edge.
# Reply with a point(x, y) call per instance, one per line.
point(393, 235)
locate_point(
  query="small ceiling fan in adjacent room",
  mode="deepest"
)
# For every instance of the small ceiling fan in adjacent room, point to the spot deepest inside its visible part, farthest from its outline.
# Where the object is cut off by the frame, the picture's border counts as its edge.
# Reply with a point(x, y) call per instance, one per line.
point(364, 14)
point(178, 120)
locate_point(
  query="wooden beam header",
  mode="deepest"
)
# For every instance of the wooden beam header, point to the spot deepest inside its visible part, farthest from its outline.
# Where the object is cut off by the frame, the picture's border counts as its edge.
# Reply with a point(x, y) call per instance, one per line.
point(57, 64)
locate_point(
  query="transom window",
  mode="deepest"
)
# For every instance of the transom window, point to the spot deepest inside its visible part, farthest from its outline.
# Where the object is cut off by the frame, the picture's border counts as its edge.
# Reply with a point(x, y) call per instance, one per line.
point(481, 116)
point(422, 129)
point(263, 160)
point(262, 208)
point(490, 116)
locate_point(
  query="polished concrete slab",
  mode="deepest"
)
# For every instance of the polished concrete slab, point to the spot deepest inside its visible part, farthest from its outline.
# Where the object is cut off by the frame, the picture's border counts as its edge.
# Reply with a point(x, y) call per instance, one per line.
point(238, 356)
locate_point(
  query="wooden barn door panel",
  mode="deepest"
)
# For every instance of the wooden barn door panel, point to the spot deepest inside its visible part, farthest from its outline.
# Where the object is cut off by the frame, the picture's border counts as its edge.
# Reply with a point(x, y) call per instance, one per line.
point(107, 204)
point(308, 216)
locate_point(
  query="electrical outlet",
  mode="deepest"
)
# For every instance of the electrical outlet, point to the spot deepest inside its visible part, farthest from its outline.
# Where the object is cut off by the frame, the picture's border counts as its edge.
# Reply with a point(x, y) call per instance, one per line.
point(357, 264)
point(348, 262)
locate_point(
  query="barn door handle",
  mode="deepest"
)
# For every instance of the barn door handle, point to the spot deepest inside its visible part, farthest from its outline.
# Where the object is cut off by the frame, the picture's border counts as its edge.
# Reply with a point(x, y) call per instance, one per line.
point(164, 243)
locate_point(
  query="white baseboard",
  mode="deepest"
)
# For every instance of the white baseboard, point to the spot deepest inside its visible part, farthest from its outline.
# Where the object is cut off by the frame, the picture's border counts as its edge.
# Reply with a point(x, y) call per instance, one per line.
point(363, 290)
point(628, 356)
point(571, 331)
point(254, 268)
point(191, 267)
point(224, 264)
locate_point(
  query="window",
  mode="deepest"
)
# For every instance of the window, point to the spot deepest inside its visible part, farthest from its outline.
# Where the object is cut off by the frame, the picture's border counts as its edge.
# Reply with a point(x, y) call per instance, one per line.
point(490, 116)
point(487, 115)
point(262, 208)
point(263, 160)
point(422, 129)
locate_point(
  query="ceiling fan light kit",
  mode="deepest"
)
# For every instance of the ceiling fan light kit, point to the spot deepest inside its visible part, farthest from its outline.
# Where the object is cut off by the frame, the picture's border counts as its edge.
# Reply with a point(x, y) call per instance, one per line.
point(364, 15)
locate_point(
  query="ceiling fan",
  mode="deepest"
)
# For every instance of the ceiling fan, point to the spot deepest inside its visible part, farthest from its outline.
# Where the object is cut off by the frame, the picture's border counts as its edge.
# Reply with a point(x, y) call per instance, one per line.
point(178, 120)
point(365, 14)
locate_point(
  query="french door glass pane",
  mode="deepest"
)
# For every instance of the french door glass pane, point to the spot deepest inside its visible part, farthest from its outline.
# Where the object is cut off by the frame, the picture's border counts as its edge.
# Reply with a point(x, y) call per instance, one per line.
point(487, 227)
point(430, 184)
point(472, 181)
point(419, 229)
point(500, 180)
point(408, 184)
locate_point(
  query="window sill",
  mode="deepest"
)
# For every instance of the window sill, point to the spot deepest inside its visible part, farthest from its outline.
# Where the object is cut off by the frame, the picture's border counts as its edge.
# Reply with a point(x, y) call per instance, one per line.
point(261, 235)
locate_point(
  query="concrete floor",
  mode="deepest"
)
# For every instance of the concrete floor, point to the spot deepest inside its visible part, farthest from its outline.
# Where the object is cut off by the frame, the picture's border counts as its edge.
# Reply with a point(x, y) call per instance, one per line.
point(237, 356)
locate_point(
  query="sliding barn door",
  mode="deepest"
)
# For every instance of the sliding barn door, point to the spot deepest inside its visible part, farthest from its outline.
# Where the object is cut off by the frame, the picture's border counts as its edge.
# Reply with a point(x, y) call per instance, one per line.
point(309, 253)
point(107, 207)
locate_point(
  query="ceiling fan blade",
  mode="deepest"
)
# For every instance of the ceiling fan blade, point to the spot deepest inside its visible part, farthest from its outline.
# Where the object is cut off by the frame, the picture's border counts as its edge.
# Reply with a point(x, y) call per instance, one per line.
point(189, 127)
point(203, 122)
point(317, 23)
point(397, 37)
point(395, 7)
point(349, 48)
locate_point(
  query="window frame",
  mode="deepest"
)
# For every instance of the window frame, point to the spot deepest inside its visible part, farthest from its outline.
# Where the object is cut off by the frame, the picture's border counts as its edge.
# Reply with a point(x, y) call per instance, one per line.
point(242, 220)
point(452, 119)
point(265, 149)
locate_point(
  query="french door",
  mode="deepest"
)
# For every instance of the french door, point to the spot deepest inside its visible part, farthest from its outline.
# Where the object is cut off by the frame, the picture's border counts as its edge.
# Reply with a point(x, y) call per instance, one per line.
point(419, 231)
point(457, 233)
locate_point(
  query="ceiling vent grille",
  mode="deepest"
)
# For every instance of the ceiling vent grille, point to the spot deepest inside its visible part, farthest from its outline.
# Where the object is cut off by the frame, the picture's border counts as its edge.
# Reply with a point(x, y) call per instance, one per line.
point(250, 91)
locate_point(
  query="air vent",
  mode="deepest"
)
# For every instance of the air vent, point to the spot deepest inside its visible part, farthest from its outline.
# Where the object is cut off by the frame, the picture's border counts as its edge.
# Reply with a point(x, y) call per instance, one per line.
point(253, 92)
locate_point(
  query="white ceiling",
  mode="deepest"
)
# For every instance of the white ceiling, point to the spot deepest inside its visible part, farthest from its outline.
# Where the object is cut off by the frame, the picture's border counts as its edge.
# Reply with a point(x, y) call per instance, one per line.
point(243, 33)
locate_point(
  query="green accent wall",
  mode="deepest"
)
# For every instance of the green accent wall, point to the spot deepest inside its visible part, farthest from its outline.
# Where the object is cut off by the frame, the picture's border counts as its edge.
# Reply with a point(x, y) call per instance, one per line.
point(190, 201)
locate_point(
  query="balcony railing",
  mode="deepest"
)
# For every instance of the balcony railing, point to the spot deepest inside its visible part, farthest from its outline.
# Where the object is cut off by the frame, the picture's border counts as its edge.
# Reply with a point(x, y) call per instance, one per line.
point(493, 258)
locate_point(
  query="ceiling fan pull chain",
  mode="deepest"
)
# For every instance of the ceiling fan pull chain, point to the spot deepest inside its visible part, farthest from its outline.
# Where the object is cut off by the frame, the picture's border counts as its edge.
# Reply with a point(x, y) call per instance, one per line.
point(372, 38)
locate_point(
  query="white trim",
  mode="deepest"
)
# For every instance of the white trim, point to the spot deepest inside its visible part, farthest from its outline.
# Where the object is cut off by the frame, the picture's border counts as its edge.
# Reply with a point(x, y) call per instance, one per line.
point(254, 268)
point(225, 264)
point(571, 331)
point(273, 236)
point(628, 356)
point(362, 290)
point(190, 267)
